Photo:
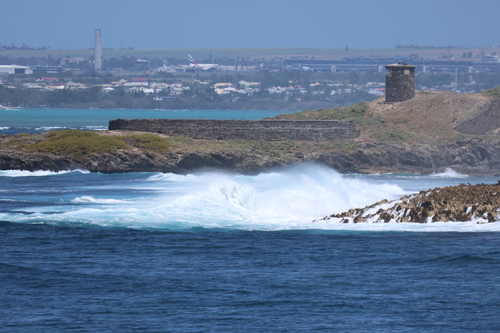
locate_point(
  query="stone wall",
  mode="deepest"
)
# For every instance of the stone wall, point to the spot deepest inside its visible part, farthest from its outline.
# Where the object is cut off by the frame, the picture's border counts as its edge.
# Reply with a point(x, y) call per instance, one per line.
point(269, 130)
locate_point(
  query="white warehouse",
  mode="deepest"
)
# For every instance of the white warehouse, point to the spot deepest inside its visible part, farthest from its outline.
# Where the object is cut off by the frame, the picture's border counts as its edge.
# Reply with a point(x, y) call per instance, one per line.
point(15, 69)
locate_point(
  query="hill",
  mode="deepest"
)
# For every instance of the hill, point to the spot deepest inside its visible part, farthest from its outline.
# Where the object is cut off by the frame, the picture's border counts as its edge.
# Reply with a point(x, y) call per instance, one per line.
point(430, 117)
point(429, 133)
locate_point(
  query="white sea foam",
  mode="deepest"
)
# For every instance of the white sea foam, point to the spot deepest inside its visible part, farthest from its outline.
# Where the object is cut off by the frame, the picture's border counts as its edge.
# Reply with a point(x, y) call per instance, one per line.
point(280, 200)
point(49, 128)
point(92, 200)
point(171, 177)
point(3, 128)
point(471, 226)
point(448, 173)
point(283, 199)
point(23, 173)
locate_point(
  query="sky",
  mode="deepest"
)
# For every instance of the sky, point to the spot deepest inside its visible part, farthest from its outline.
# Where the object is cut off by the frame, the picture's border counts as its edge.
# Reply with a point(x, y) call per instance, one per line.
point(181, 24)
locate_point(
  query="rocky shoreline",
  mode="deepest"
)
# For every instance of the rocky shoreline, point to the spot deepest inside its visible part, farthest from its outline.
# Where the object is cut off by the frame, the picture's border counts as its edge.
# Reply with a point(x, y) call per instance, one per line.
point(428, 133)
point(462, 203)
point(480, 203)
point(472, 157)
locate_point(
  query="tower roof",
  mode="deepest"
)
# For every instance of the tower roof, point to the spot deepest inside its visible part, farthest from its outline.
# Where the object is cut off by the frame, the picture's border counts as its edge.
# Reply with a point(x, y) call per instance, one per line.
point(400, 65)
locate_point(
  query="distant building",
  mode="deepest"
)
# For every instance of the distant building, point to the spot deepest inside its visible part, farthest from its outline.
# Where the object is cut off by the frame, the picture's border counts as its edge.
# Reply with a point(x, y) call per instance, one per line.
point(46, 69)
point(46, 79)
point(32, 86)
point(400, 82)
point(490, 58)
point(222, 85)
point(137, 81)
point(15, 69)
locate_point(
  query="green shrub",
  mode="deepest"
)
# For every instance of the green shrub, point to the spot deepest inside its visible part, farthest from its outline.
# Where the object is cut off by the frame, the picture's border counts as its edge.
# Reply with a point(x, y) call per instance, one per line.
point(179, 139)
point(148, 142)
point(78, 143)
point(493, 92)
point(392, 134)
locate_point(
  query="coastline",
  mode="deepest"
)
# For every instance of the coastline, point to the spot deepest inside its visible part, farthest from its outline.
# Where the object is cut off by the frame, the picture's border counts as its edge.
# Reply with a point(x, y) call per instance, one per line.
point(472, 157)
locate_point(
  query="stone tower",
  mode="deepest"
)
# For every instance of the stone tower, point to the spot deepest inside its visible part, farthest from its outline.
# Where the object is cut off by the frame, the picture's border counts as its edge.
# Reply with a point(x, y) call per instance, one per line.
point(400, 82)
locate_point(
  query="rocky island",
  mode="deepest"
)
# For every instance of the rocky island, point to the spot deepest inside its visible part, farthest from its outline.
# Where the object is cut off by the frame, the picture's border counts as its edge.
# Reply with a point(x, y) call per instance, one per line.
point(480, 203)
point(430, 132)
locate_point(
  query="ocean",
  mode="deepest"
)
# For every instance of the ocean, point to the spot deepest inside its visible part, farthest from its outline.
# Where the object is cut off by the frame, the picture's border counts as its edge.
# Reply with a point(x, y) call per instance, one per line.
point(215, 251)
point(14, 121)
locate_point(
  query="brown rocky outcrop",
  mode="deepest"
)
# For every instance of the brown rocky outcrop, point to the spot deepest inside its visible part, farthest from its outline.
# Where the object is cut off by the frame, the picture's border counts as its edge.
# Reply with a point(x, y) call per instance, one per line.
point(139, 161)
point(460, 203)
point(472, 157)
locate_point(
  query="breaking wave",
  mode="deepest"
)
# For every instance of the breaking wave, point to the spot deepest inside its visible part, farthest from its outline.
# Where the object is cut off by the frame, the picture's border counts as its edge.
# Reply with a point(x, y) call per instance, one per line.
point(92, 200)
point(449, 173)
point(285, 199)
point(23, 173)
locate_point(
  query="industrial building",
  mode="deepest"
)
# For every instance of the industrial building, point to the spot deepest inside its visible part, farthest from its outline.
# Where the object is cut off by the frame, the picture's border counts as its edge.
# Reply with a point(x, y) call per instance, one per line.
point(15, 69)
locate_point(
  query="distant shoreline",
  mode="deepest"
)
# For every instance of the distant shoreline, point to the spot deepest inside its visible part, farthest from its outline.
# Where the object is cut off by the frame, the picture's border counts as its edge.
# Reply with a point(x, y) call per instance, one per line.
point(265, 53)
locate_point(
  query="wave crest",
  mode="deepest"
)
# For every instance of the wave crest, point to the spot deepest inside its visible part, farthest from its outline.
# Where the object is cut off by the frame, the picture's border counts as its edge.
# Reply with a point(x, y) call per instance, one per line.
point(448, 173)
point(40, 173)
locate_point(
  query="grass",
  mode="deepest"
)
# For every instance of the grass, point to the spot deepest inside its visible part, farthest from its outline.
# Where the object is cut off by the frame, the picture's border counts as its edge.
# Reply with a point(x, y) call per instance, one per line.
point(354, 112)
point(493, 92)
point(403, 129)
point(148, 142)
point(283, 149)
point(79, 144)
point(371, 125)
point(408, 126)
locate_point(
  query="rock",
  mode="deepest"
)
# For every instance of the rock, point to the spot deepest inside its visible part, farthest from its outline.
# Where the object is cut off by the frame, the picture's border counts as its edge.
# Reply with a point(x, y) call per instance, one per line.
point(140, 161)
point(472, 156)
point(460, 203)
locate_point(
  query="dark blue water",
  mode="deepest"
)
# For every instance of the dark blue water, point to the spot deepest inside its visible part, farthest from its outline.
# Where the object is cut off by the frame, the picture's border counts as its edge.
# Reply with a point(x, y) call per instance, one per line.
point(223, 252)
point(62, 279)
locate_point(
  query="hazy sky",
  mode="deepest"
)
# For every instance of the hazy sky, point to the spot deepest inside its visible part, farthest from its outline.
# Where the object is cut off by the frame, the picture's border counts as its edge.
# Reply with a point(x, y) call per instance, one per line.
point(172, 24)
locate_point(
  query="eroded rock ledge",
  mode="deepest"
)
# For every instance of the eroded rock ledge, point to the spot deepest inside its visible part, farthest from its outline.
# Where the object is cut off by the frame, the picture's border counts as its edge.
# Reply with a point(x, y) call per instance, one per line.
point(480, 203)
point(471, 157)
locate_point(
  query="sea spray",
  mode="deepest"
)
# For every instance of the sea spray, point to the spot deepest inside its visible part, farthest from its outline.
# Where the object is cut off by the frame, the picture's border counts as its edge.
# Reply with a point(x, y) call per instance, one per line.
point(448, 173)
point(288, 198)
point(24, 173)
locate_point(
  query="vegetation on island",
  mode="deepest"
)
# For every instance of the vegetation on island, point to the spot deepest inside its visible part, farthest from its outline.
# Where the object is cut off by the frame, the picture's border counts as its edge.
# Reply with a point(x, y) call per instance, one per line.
point(424, 120)
point(80, 144)
point(282, 149)
point(493, 92)
point(413, 136)
point(75, 141)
